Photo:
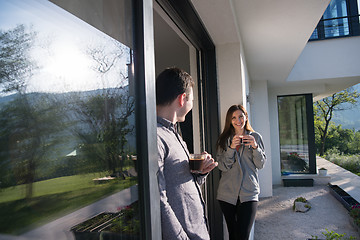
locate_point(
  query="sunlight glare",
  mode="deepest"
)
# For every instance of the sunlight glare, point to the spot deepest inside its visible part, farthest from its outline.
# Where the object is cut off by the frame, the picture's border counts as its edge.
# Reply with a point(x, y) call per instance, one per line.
point(71, 66)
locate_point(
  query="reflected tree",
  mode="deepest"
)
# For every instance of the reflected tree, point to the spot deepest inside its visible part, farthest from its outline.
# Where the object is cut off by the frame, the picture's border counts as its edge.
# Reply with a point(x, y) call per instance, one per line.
point(107, 111)
point(16, 66)
point(15, 69)
point(31, 123)
point(28, 120)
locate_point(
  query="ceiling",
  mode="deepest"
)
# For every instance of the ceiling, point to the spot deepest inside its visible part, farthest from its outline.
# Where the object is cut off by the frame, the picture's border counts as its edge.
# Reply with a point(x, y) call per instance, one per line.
point(273, 32)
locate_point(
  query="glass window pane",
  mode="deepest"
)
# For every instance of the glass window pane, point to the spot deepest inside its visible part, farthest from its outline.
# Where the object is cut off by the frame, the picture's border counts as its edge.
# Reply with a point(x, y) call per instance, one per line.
point(336, 27)
point(336, 8)
point(314, 35)
point(358, 4)
point(293, 133)
point(339, 26)
point(67, 119)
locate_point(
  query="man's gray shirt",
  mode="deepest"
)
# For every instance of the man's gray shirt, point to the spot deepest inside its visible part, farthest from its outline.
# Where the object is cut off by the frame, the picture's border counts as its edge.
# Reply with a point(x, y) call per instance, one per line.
point(181, 203)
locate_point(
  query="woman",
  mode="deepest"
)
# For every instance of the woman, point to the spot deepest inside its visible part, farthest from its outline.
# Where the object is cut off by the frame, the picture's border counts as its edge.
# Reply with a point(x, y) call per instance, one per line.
point(240, 153)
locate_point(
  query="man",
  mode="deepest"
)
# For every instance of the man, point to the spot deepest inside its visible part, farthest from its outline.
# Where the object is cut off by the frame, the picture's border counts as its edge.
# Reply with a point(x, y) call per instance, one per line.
point(181, 203)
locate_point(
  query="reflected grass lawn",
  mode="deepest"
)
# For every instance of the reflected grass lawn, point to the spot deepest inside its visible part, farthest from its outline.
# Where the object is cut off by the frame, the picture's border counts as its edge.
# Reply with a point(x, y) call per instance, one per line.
point(51, 199)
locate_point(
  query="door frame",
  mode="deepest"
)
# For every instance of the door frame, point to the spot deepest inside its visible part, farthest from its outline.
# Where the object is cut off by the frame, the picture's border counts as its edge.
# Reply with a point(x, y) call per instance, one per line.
point(182, 13)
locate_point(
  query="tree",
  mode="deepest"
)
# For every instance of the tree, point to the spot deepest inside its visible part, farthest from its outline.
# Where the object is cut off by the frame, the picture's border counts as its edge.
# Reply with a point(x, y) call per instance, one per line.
point(106, 112)
point(324, 110)
point(339, 138)
point(355, 144)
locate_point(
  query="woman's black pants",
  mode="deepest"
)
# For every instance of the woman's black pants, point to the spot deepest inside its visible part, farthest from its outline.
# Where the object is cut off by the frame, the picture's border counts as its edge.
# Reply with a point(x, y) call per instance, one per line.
point(239, 219)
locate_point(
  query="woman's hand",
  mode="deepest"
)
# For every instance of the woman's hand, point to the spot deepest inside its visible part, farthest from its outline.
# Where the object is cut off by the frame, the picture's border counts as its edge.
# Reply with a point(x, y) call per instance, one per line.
point(249, 140)
point(236, 141)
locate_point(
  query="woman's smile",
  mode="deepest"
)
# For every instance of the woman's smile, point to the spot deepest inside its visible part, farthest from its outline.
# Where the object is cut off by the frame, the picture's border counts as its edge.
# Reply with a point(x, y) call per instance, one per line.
point(238, 119)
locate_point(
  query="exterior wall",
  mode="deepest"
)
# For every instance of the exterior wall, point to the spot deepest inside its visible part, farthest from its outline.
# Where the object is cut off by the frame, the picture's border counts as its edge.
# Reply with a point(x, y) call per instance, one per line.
point(231, 89)
point(261, 123)
point(274, 138)
point(328, 71)
point(317, 62)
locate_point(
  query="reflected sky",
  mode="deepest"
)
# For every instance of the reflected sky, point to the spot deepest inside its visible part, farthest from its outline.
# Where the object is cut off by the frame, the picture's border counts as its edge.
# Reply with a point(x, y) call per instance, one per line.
point(61, 49)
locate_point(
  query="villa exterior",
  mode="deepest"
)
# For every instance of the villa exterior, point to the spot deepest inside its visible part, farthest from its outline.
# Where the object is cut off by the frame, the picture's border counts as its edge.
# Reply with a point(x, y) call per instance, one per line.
point(251, 52)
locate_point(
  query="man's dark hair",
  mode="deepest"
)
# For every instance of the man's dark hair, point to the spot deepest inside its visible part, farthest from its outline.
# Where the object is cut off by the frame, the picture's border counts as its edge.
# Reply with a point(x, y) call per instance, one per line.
point(171, 83)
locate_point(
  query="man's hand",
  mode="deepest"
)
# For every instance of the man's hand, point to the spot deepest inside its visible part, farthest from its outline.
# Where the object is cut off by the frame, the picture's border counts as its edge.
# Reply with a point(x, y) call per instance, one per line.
point(209, 164)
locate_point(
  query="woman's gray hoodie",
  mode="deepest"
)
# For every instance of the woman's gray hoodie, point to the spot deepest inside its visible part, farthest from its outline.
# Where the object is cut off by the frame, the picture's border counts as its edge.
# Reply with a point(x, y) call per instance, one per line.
point(239, 171)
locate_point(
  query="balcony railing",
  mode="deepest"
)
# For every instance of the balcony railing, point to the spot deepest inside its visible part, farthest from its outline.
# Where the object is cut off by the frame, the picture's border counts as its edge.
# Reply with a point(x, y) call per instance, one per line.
point(337, 27)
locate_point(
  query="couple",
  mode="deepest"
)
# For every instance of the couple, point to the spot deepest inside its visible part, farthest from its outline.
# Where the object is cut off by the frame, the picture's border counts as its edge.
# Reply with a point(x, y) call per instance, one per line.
point(181, 203)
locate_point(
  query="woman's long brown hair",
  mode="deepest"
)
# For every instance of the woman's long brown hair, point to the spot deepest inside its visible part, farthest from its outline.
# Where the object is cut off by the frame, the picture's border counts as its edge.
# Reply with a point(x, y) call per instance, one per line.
point(229, 129)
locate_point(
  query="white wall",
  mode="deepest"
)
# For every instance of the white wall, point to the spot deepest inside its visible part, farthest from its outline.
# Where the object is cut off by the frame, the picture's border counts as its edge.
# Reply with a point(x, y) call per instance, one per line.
point(333, 58)
point(229, 78)
point(327, 66)
point(260, 121)
point(274, 137)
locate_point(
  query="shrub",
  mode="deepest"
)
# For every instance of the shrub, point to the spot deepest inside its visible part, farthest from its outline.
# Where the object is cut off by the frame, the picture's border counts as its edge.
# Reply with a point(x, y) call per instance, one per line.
point(355, 214)
point(330, 235)
point(128, 222)
point(348, 162)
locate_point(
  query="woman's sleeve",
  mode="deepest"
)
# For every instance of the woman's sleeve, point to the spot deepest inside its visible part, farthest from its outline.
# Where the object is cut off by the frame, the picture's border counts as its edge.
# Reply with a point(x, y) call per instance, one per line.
point(259, 157)
point(226, 158)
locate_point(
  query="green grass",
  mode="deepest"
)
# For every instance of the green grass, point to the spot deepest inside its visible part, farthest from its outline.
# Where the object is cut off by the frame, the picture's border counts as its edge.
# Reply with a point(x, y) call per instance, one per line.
point(51, 199)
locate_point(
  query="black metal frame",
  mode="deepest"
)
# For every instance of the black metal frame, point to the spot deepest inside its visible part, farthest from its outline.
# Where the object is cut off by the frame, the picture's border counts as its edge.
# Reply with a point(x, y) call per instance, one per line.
point(311, 132)
point(353, 21)
point(185, 17)
point(144, 63)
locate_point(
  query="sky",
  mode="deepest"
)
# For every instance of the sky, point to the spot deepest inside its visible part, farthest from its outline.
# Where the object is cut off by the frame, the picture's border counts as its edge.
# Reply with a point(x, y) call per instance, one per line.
point(60, 48)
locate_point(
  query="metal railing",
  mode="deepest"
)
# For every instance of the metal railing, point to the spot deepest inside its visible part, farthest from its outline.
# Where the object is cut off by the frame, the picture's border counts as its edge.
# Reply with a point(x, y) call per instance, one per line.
point(337, 27)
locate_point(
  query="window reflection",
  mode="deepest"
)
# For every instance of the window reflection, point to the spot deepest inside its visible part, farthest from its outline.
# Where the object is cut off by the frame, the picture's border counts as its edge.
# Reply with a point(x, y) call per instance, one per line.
point(67, 125)
point(294, 150)
point(335, 21)
point(341, 18)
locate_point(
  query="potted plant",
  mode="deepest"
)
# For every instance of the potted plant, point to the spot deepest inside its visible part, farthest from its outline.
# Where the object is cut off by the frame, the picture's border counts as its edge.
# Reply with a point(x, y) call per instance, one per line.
point(322, 171)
